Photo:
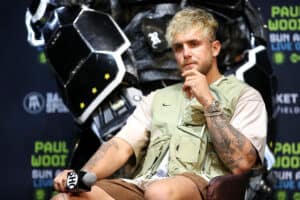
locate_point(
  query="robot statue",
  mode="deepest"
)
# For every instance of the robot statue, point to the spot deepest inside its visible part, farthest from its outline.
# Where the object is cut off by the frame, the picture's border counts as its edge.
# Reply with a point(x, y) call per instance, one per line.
point(106, 54)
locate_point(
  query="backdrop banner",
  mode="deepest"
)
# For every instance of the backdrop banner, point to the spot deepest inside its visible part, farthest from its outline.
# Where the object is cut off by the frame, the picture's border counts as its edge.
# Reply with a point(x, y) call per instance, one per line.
point(38, 133)
point(282, 19)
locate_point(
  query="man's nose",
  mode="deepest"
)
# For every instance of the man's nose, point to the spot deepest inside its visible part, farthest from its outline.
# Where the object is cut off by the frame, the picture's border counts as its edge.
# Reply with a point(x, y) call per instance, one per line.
point(186, 51)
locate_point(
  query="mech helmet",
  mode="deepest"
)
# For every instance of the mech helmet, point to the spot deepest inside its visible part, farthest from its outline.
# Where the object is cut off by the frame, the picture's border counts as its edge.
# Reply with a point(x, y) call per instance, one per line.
point(85, 48)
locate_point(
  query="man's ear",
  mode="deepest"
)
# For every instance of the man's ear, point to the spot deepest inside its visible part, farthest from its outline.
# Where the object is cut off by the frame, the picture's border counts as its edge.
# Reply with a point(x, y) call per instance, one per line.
point(216, 47)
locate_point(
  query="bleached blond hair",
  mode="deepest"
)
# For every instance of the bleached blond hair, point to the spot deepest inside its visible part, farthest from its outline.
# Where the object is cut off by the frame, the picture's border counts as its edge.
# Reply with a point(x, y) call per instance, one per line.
point(188, 18)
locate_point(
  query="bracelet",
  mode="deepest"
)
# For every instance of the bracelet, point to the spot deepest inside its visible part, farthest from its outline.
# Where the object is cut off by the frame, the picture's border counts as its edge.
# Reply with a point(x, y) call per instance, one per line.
point(213, 114)
point(213, 109)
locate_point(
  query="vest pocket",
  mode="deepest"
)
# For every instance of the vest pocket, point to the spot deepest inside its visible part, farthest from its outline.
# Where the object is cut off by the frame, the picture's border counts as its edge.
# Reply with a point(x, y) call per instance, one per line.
point(194, 131)
point(156, 149)
point(191, 150)
point(192, 145)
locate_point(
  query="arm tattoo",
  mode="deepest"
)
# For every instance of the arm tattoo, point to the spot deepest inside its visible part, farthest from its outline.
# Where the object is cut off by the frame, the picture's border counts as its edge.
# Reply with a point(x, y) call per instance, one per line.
point(252, 152)
point(229, 142)
point(99, 154)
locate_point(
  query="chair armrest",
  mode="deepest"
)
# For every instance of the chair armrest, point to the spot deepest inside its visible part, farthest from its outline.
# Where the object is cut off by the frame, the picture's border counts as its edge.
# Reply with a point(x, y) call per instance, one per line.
point(231, 187)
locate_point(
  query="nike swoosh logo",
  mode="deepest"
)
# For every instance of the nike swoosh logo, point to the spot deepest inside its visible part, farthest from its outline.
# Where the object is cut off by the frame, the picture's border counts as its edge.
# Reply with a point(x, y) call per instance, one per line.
point(165, 104)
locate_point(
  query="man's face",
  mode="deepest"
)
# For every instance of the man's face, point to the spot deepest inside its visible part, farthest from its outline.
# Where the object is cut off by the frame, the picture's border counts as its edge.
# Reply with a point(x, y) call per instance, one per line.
point(193, 49)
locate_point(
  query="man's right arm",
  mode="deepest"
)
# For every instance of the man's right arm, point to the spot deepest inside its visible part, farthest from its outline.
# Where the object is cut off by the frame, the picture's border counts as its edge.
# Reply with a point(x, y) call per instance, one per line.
point(110, 157)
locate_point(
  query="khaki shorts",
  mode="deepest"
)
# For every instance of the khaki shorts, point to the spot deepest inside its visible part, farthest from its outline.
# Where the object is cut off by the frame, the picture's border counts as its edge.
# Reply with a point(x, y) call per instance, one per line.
point(121, 190)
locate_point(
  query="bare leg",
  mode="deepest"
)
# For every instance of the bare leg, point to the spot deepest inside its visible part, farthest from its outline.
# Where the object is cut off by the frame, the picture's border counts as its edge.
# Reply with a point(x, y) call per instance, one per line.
point(95, 194)
point(173, 188)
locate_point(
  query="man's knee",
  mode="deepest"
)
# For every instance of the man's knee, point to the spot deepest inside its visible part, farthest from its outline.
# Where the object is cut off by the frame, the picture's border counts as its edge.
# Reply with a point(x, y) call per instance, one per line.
point(158, 191)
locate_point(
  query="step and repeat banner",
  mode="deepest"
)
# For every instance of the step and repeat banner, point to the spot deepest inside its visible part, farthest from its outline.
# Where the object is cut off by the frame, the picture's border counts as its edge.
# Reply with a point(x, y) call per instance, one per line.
point(283, 20)
point(38, 133)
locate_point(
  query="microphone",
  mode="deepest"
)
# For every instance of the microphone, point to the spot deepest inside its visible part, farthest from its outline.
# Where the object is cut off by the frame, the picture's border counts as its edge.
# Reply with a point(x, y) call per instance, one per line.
point(80, 181)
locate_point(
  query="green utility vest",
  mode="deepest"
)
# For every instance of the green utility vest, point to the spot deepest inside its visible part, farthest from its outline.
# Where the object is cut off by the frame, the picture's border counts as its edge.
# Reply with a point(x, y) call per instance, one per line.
point(178, 125)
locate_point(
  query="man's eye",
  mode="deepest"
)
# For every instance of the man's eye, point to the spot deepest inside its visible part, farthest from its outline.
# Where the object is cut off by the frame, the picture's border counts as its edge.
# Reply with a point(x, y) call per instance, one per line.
point(177, 48)
point(194, 44)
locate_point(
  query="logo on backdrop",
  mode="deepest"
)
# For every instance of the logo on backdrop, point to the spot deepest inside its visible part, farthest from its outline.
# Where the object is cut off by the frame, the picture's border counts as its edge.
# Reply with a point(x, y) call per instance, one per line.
point(286, 169)
point(51, 102)
point(287, 104)
point(284, 34)
point(34, 103)
point(49, 157)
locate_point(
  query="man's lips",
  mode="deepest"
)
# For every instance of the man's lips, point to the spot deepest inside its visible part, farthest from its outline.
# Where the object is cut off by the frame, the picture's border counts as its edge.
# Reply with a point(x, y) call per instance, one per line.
point(188, 66)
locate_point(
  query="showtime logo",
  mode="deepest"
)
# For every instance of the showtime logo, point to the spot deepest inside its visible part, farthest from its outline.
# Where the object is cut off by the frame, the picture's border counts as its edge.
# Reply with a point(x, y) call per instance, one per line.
point(35, 103)
point(72, 180)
